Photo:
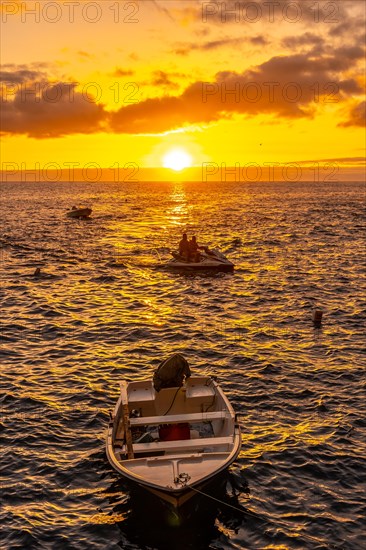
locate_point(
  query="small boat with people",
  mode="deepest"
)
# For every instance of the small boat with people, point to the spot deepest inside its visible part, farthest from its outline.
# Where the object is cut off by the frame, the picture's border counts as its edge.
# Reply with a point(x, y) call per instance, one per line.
point(172, 434)
point(211, 260)
point(192, 257)
point(79, 213)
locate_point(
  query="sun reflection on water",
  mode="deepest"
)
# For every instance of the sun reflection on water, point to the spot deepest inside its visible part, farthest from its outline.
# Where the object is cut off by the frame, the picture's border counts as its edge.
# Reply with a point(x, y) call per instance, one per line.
point(179, 212)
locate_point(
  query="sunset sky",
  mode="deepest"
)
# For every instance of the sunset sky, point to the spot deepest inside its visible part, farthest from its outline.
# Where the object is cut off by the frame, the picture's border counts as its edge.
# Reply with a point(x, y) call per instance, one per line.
point(114, 83)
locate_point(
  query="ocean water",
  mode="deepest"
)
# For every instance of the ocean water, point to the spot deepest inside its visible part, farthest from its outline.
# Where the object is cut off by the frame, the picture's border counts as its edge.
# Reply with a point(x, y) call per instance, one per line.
point(103, 307)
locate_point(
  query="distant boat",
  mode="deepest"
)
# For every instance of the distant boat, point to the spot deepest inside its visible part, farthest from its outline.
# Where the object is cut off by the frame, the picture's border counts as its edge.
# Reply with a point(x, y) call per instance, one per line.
point(79, 213)
point(175, 441)
point(209, 260)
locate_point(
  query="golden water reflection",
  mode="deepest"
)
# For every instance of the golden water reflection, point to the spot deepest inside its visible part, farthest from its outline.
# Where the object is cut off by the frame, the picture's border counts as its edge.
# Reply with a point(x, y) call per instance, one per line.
point(179, 212)
point(276, 436)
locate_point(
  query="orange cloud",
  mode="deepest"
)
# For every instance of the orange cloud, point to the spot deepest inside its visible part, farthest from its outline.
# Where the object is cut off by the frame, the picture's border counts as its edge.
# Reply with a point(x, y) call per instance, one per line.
point(357, 116)
point(184, 49)
point(44, 110)
point(287, 86)
point(120, 73)
point(163, 79)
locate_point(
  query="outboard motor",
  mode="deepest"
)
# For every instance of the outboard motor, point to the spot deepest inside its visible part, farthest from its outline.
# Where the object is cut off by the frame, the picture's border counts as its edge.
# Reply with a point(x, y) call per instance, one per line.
point(171, 373)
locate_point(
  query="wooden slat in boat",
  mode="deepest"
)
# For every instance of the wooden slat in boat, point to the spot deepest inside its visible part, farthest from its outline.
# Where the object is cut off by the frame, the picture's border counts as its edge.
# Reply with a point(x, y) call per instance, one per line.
point(182, 445)
point(126, 420)
point(176, 418)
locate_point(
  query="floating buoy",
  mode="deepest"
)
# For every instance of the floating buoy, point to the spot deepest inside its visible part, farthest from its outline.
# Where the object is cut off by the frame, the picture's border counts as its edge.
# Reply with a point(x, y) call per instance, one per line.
point(317, 317)
point(322, 406)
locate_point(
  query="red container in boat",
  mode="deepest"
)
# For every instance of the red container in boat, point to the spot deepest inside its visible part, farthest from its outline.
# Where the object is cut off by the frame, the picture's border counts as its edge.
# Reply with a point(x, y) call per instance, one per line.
point(173, 432)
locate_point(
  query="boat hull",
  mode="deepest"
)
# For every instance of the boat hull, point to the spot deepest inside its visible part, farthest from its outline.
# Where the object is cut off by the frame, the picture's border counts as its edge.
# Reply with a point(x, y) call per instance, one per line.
point(194, 267)
point(214, 261)
point(179, 501)
point(80, 213)
point(174, 470)
point(177, 497)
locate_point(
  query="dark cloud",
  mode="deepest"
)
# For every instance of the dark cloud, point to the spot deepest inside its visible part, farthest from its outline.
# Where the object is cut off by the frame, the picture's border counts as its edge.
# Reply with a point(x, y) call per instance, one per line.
point(350, 52)
point(85, 54)
point(259, 40)
point(184, 49)
point(44, 109)
point(119, 73)
point(349, 86)
point(305, 39)
point(162, 114)
point(161, 78)
point(357, 116)
point(287, 86)
point(341, 160)
point(213, 44)
point(348, 26)
point(19, 76)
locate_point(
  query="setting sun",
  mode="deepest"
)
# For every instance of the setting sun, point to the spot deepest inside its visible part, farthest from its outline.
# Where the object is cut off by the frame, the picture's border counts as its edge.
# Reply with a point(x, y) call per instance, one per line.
point(177, 159)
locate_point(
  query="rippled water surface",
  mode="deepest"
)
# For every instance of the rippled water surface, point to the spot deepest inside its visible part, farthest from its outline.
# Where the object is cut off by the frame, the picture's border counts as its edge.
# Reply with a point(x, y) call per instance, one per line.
point(103, 307)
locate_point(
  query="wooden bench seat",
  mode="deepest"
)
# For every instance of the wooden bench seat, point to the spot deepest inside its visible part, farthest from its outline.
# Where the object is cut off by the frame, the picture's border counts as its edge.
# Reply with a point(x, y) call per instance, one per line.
point(181, 445)
point(179, 418)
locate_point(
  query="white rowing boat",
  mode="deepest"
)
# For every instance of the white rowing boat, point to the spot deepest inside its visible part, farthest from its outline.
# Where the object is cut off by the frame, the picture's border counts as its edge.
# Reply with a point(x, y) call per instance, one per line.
point(173, 442)
point(210, 260)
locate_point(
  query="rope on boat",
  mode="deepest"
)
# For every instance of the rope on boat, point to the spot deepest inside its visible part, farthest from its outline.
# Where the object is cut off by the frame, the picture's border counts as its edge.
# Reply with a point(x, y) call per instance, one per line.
point(222, 502)
point(246, 512)
point(172, 403)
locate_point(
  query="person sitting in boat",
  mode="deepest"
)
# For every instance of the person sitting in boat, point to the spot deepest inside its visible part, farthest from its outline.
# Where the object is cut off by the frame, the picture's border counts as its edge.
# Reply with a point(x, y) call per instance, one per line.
point(171, 373)
point(184, 247)
point(194, 255)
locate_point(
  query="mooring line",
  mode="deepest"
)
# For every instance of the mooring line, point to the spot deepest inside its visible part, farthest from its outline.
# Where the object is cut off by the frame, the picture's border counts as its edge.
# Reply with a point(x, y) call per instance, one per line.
point(222, 502)
point(269, 522)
